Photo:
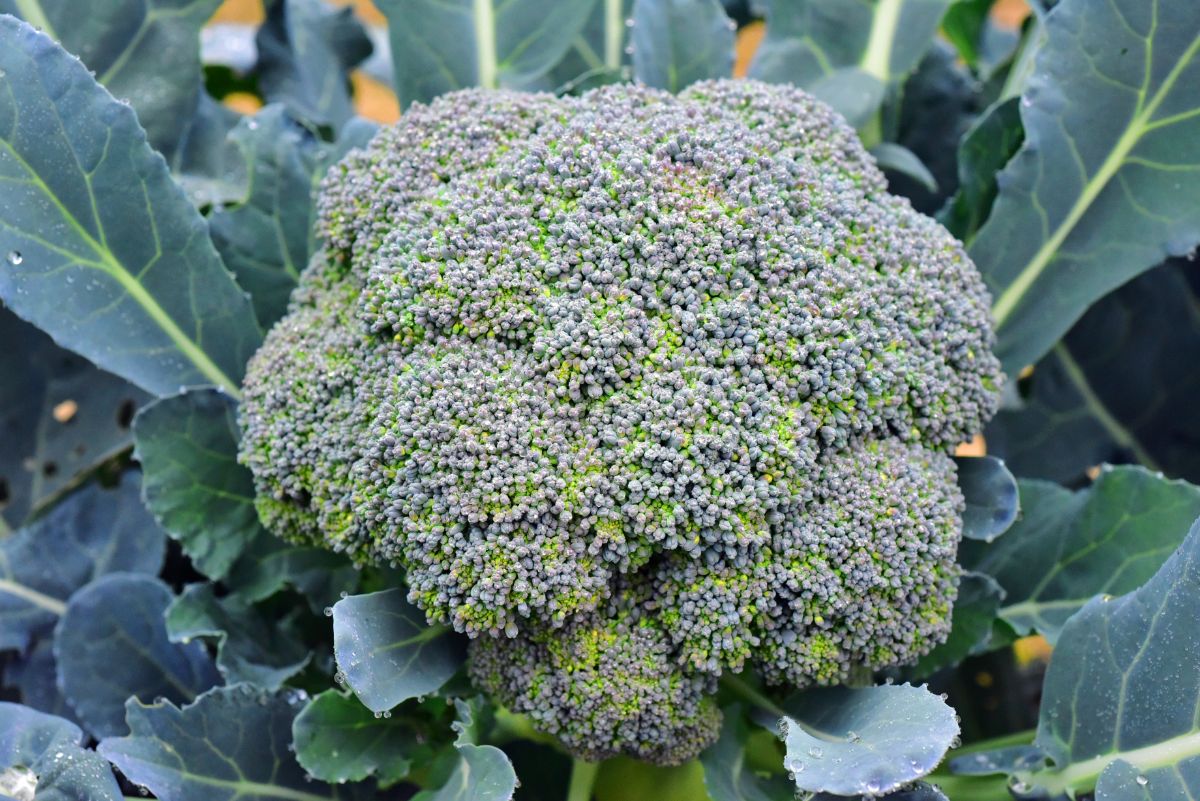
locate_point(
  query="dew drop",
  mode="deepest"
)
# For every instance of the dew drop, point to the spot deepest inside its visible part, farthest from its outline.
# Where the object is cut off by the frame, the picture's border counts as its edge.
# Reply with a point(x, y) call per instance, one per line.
point(815, 752)
point(378, 715)
point(1142, 780)
point(15, 257)
point(329, 611)
point(854, 737)
point(252, 125)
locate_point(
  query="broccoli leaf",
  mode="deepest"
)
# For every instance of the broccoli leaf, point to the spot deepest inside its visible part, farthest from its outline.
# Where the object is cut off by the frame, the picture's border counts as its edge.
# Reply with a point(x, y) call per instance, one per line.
point(305, 53)
point(991, 495)
point(1095, 195)
point(1002, 760)
point(98, 246)
point(1136, 656)
point(60, 417)
point(266, 237)
point(899, 159)
point(187, 445)
point(93, 532)
point(146, 52)
point(269, 564)
point(927, 114)
point(49, 748)
point(984, 150)
point(1076, 416)
point(599, 54)
point(387, 652)
point(249, 648)
point(679, 42)
point(232, 743)
point(442, 45)
point(866, 741)
point(111, 644)
point(826, 45)
point(1068, 547)
point(194, 485)
point(337, 739)
point(207, 164)
point(726, 775)
point(34, 675)
point(483, 772)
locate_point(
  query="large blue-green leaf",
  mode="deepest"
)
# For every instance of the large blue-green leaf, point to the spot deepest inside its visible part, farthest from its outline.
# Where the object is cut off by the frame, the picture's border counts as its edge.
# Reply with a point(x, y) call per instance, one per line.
point(146, 52)
point(206, 164)
point(386, 651)
point(1123, 686)
point(984, 150)
point(250, 647)
point(1102, 189)
point(679, 42)
point(49, 749)
point(866, 741)
point(111, 644)
point(599, 53)
point(91, 533)
point(193, 484)
point(482, 773)
point(442, 45)
point(928, 114)
point(1075, 415)
point(267, 236)
point(306, 50)
point(828, 46)
point(727, 777)
point(59, 418)
point(34, 675)
point(990, 492)
point(337, 739)
point(1069, 547)
point(230, 745)
point(98, 247)
point(269, 564)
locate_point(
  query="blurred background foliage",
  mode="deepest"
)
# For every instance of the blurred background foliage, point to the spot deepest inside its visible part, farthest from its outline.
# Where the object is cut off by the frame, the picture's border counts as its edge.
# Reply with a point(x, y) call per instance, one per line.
point(374, 100)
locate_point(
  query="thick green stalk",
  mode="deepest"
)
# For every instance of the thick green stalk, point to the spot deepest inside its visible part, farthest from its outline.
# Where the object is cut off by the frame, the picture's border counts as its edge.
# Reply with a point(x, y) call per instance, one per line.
point(583, 779)
point(747, 693)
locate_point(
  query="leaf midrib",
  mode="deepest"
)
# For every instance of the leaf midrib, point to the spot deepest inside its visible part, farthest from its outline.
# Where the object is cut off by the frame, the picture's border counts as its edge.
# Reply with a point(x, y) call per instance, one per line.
point(108, 264)
point(1138, 126)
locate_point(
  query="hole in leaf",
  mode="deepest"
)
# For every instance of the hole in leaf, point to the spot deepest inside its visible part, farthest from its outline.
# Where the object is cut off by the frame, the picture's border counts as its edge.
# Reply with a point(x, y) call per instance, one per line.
point(49, 469)
point(4, 495)
point(125, 414)
point(65, 412)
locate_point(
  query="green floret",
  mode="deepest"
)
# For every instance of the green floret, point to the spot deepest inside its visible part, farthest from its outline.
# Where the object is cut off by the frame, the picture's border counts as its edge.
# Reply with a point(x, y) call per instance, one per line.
point(555, 348)
point(606, 683)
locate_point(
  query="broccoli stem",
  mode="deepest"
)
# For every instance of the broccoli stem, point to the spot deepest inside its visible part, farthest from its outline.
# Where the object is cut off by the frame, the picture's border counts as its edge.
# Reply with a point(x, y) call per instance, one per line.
point(747, 693)
point(583, 779)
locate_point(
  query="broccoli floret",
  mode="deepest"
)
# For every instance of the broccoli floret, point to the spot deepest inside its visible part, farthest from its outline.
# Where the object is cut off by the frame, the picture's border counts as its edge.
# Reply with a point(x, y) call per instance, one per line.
point(671, 372)
point(605, 683)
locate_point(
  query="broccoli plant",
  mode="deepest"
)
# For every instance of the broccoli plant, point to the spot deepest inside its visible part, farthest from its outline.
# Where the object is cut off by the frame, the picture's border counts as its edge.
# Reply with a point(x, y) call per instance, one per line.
point(627, 419)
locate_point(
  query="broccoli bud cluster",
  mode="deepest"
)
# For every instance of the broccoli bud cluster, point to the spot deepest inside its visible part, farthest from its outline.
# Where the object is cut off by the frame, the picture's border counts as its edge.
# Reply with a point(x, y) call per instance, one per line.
point(638, 389)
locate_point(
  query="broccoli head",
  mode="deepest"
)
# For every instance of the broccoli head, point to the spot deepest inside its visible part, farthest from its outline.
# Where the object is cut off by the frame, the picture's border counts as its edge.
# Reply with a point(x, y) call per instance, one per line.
point(637, 388)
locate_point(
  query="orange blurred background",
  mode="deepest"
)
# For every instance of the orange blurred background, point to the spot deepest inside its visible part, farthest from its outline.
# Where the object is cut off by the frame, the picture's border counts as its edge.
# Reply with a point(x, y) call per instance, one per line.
point(375, 101)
